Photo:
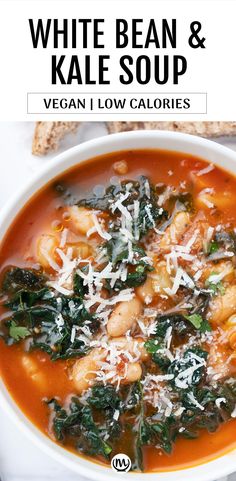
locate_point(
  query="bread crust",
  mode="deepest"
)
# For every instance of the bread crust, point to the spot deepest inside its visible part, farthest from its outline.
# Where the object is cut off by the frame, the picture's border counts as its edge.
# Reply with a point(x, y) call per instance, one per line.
point(204, 129)
point(47, 135)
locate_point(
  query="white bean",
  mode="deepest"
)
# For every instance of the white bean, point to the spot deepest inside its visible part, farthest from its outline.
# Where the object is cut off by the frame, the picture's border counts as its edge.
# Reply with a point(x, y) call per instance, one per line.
point(174, 232)
point(218, 361)
point(82, 218)
point(34, 372)
point(120, 167)
point(84, 370)
point(134, 373)
point(123, 317)
point(81, 250)
point(146, 291)
point(231, 322)
point(46, 248)
point(208, 201)
point(160, 278)
point(156, 283)
point(223, 306)
point(225, 267)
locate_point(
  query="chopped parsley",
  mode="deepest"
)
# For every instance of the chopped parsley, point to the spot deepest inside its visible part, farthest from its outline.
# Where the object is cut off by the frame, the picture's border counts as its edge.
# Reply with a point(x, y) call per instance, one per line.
point(198, 322)
point(18, 332)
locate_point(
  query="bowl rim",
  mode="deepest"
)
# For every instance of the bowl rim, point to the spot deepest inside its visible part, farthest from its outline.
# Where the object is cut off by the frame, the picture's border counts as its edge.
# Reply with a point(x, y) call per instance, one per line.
point(208, 470)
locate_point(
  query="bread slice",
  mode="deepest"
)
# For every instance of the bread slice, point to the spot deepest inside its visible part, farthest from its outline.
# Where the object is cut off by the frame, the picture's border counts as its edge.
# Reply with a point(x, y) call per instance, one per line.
point(47, 135)
point(204, 129)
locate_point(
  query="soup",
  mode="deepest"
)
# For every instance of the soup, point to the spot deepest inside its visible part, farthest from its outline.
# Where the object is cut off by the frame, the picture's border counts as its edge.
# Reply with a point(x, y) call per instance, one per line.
point(118, 309)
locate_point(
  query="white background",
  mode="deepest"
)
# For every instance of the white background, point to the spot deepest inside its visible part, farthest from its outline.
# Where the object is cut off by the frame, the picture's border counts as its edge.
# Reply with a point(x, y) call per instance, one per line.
point(19, 459)
point(211, 70)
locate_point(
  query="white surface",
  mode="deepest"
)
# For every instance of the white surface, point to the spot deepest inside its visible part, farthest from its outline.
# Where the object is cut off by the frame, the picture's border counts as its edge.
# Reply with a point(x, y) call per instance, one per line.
point(19, 459)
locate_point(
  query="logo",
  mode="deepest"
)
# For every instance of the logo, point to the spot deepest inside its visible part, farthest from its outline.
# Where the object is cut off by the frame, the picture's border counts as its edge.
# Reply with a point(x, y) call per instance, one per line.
point(121, 463)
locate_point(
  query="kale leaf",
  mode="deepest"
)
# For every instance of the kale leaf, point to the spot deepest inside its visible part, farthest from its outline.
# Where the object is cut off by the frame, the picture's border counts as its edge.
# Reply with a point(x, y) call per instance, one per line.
point(133, 397)
point(182, 201)
point(137, 268)
point(78, 423)
point(106, 400)
point(140, 190)
point(226, 240)
point(151, 432)
point(79, 289)
point(17, 279)
point(158, 351)
point(35, 312)
point(188, 361)
point(220, 245)
point(93, 429)
point(180, 326)
point(104, 397)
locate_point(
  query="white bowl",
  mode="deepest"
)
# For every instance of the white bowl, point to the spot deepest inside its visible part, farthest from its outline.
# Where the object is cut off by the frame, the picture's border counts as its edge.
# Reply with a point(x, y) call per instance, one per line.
point(206, 149)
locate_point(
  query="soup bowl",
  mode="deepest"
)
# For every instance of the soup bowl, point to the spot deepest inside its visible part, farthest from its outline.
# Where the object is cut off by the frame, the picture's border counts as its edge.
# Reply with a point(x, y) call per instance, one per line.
point(208, 150)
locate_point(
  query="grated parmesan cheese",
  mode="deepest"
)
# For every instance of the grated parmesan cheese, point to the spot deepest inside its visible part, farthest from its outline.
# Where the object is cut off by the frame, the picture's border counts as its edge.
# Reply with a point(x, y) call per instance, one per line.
point(194, 401)
point(209, 204)
point(233, 414)
point(206, 170)
point(97, 224)
point(219, 401)
point(64, 235)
